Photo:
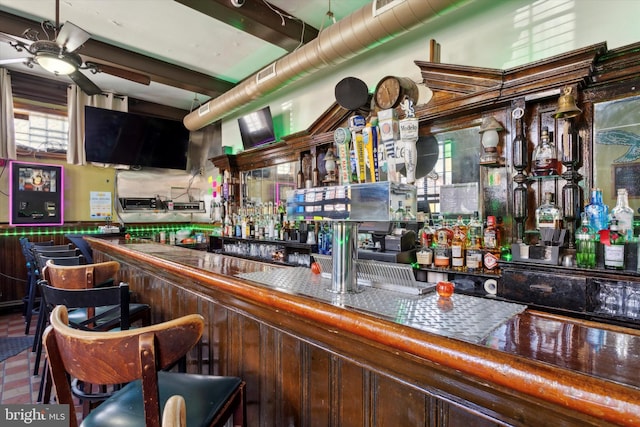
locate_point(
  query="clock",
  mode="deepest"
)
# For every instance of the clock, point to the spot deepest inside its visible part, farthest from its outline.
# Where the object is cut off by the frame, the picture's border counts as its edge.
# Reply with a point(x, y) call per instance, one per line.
point(391, 91)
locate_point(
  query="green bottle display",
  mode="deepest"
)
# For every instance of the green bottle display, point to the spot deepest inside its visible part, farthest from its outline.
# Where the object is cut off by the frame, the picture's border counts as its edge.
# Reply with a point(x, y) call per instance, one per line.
point(586, 242)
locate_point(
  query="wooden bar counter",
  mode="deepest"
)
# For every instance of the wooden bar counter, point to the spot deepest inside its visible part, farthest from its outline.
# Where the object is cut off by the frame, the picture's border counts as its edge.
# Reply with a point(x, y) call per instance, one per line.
point(312, 362)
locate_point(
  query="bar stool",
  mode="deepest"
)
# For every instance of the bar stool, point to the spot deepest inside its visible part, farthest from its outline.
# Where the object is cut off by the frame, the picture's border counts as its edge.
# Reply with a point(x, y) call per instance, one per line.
point(138, 357)
point(35, 250)
point(85, 276)
point(112, 306)
point(32, 275)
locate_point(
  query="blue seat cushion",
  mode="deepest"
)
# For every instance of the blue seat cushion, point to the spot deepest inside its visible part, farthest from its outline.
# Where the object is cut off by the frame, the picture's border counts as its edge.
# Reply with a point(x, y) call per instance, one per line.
point(205, 396)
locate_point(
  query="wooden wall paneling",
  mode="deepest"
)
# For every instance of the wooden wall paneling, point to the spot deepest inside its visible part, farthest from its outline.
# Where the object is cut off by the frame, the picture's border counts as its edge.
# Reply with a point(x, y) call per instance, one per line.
point(293, 359)
point(351, 394)
point(387, 410)
point(268, 373)
point(318, 389)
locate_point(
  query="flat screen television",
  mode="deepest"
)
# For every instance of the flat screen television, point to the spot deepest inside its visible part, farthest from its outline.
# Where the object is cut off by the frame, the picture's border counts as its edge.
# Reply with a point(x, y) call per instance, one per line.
point(116, 137)
point(256, 128)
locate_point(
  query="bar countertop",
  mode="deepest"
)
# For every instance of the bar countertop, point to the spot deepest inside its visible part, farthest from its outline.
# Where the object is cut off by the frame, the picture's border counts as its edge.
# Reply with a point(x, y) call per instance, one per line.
point(581, 365)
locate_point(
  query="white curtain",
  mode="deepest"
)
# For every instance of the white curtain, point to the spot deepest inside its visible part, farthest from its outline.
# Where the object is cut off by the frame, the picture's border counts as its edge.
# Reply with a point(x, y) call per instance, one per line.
point(76, 101)
point(7, 129)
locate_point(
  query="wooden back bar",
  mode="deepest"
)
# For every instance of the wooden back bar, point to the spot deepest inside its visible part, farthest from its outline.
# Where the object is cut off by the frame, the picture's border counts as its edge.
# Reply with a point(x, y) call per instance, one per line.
point(303, 359)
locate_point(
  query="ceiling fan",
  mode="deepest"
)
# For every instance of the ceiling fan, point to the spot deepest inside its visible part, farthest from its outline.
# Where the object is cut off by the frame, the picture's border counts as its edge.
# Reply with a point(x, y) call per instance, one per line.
point(59, 56)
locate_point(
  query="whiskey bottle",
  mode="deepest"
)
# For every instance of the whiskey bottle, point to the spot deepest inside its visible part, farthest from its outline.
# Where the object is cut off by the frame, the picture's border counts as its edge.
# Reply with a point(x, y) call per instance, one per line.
point(458, 245)
point(624, 214)
point(474, 244)
point(548, 214)
point(545, 156)
point(442, 250)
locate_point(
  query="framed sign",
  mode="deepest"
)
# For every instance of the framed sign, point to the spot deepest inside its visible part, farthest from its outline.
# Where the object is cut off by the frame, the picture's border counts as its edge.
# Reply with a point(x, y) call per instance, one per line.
point(36, 194)
point(616, 158)
point(626, 175)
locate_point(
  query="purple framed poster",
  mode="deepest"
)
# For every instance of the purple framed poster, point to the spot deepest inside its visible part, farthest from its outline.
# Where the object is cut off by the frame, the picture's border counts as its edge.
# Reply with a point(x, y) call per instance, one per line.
point(36, 194)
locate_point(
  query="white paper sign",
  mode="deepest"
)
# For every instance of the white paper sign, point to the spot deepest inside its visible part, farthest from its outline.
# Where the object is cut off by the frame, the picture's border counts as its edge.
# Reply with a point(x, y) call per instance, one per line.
point(100, 204)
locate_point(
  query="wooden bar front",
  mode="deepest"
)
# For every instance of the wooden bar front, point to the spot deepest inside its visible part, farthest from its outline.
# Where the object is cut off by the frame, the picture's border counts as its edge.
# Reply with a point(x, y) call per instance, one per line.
point(307, 362)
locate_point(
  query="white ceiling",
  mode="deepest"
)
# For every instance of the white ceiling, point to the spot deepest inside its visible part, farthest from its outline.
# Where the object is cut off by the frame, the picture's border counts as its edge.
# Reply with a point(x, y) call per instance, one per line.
point(174, 33)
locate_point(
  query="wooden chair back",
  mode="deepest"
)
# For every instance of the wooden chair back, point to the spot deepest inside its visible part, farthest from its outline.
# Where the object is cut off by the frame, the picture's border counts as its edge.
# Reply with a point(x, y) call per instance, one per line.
point(80, 276)
point(117, 357)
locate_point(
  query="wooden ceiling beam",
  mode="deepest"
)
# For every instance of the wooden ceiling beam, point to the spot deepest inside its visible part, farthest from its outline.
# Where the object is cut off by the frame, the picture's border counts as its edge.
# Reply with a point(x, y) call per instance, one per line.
point(258, 19)
point(158, 71)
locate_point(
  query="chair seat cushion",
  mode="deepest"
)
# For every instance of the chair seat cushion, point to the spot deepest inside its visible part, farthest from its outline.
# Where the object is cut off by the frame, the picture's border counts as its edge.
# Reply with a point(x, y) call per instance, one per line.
point(205, 396)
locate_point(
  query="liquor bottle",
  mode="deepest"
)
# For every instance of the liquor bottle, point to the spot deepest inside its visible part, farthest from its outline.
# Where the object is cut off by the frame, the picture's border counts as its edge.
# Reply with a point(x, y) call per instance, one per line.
point(277, 229)
point(442, 250)
point(327, 240)
point(597, 211)
point(474, 244)
point(426, 233)
point(252, 228)
point(624, 214)
point(585, 244)
point(228, 224)
point(300, 178)
point(459, 245)
point(321, 237)
point(548, 214)
point(245, 227)
point(545, 156)
point(399, 214)
point(281, 212)
point(238, 226)
point(492, 240)
point(613, 241)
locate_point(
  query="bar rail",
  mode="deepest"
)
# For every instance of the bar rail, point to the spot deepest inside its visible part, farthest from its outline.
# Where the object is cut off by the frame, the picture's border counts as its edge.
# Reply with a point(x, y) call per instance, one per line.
point(503, 361)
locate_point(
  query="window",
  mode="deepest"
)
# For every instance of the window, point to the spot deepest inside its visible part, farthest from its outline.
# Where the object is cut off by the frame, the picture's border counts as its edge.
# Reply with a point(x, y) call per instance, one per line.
point(41, 132)
point(428, 187)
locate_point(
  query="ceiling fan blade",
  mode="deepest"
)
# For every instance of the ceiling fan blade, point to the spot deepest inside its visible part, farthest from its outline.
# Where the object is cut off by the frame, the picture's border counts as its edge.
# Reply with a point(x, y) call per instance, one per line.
point(13, 61)
point(120, 72)
point(18, 44)
point(71, 37)
point(87, 86)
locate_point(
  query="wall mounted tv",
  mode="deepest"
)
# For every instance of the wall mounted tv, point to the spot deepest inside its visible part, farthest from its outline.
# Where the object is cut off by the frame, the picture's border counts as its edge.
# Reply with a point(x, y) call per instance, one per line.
point(256, 128)
point(132, 139)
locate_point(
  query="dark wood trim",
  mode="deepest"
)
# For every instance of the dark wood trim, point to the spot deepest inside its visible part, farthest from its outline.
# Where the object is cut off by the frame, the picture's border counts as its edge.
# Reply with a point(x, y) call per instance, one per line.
point(158, 71)
point(259, 20)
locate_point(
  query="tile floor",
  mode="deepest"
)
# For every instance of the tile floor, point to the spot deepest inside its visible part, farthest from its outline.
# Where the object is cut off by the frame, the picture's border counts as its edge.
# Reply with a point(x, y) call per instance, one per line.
point(18, 384)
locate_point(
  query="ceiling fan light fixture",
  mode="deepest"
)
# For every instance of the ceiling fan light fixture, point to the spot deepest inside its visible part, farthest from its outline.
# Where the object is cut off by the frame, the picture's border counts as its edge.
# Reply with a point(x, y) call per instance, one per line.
point(56, 64)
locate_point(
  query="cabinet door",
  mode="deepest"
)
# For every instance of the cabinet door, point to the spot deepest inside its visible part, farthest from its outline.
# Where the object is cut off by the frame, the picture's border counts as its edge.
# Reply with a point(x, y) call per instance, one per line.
point(544, 289)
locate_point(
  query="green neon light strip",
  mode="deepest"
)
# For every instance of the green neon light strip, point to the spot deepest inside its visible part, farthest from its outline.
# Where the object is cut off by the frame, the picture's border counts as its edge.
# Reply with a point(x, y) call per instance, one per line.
point(56, 231)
